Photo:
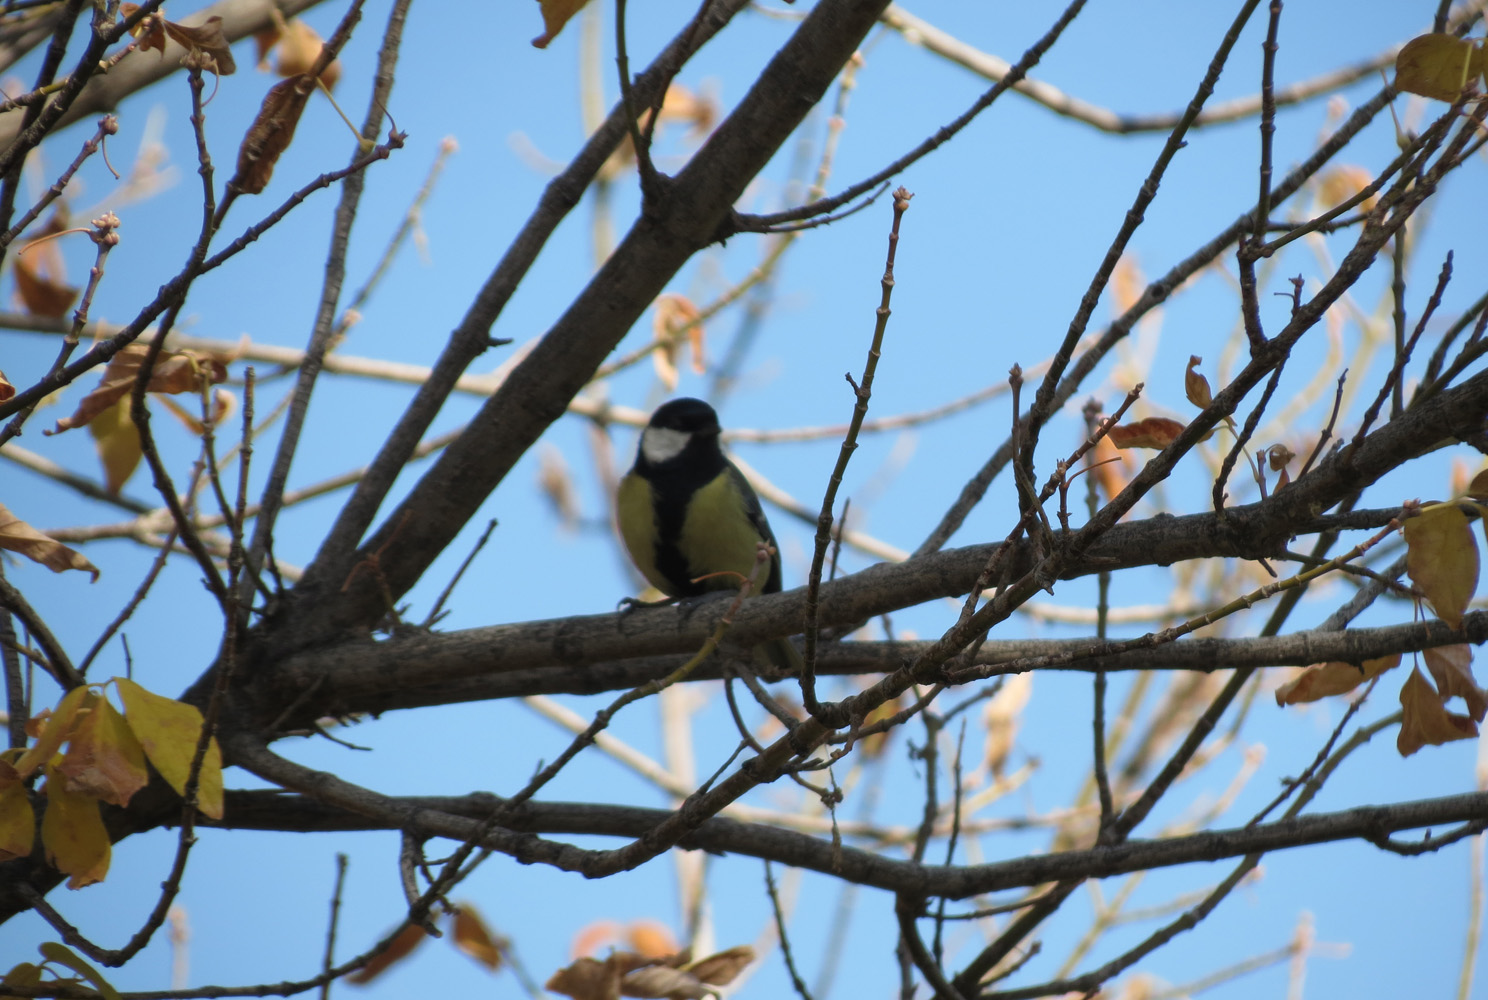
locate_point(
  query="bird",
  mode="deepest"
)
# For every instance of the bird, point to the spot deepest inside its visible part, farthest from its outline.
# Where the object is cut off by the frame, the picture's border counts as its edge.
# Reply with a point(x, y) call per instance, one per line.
point(690, 521)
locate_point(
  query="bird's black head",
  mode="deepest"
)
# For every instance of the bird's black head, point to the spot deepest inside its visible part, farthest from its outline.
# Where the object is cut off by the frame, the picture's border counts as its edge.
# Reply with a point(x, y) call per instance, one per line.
point(688, 415)
point(683, 432)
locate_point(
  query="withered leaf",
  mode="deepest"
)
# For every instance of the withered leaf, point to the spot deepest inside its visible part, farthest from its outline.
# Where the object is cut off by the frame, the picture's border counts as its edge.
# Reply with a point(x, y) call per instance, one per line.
point(407, 939)
point(150, 31)
point(555, 14)
point(475, 939)
point(206, 47)
point(271, 132)
point(662, 982)
point(587, 979)
point(1437, 65)
point(1451, 668)
point(1152, 432)
point(40, 281)
point(298, 48)
point(103, 759)
point(1195, 385)
point(1426, 722)
point(6, 389)
point(18, 536)
point(174, 372)
point(1322, 680)
point(722, 968)
point(1442, 559)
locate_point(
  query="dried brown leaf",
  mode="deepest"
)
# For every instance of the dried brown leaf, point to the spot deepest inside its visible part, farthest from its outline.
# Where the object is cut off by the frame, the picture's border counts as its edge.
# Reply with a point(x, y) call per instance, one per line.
point(1451, 668)
point(41, 273)
point(1426, 722)
point(149, 32)
point(474, 938)
point(206, 47)
point(655, 982)
point(555, 14)
point(18, 536)
point(1195, 385)
point(1152, 432)
point(103, 759)
point(1321, 680)
point(407, 939)
point(174, 372)
point(271, 132)
point(6, 389)
point(722, 968)
point(588, 979)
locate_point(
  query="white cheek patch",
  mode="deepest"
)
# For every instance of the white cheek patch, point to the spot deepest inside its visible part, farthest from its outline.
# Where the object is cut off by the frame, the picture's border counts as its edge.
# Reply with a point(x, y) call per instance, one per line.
point(660, 444)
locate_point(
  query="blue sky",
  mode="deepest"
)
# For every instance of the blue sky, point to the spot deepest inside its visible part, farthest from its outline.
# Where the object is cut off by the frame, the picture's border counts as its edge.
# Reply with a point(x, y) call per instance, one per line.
point(1008, 224)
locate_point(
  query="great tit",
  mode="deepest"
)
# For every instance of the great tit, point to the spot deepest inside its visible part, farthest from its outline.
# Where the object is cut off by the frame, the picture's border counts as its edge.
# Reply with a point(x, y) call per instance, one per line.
point(686, 512)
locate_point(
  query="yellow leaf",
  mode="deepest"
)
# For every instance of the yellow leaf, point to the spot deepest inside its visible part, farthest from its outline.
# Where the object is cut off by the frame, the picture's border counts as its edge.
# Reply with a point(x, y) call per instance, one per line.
point(58, 728)
point(73, 834)
point(18, 536)
point(103, 757)
point(1338, 184)
point(17, 819)
point(555, 14)
point(475, 939)
point(1426, 721)
point(1437, 65)
point(1451, 668)
point(168, 731)
point(1324, 679)
point(1442, 559)
point(118, 443)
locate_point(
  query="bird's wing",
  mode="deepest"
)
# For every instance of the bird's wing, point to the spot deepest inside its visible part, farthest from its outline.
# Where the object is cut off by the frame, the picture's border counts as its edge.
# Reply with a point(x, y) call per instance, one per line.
point(756, 515)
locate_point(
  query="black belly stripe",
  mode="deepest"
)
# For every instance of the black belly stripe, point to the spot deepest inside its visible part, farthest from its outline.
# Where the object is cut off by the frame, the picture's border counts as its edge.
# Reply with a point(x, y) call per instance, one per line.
point(672, 485)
